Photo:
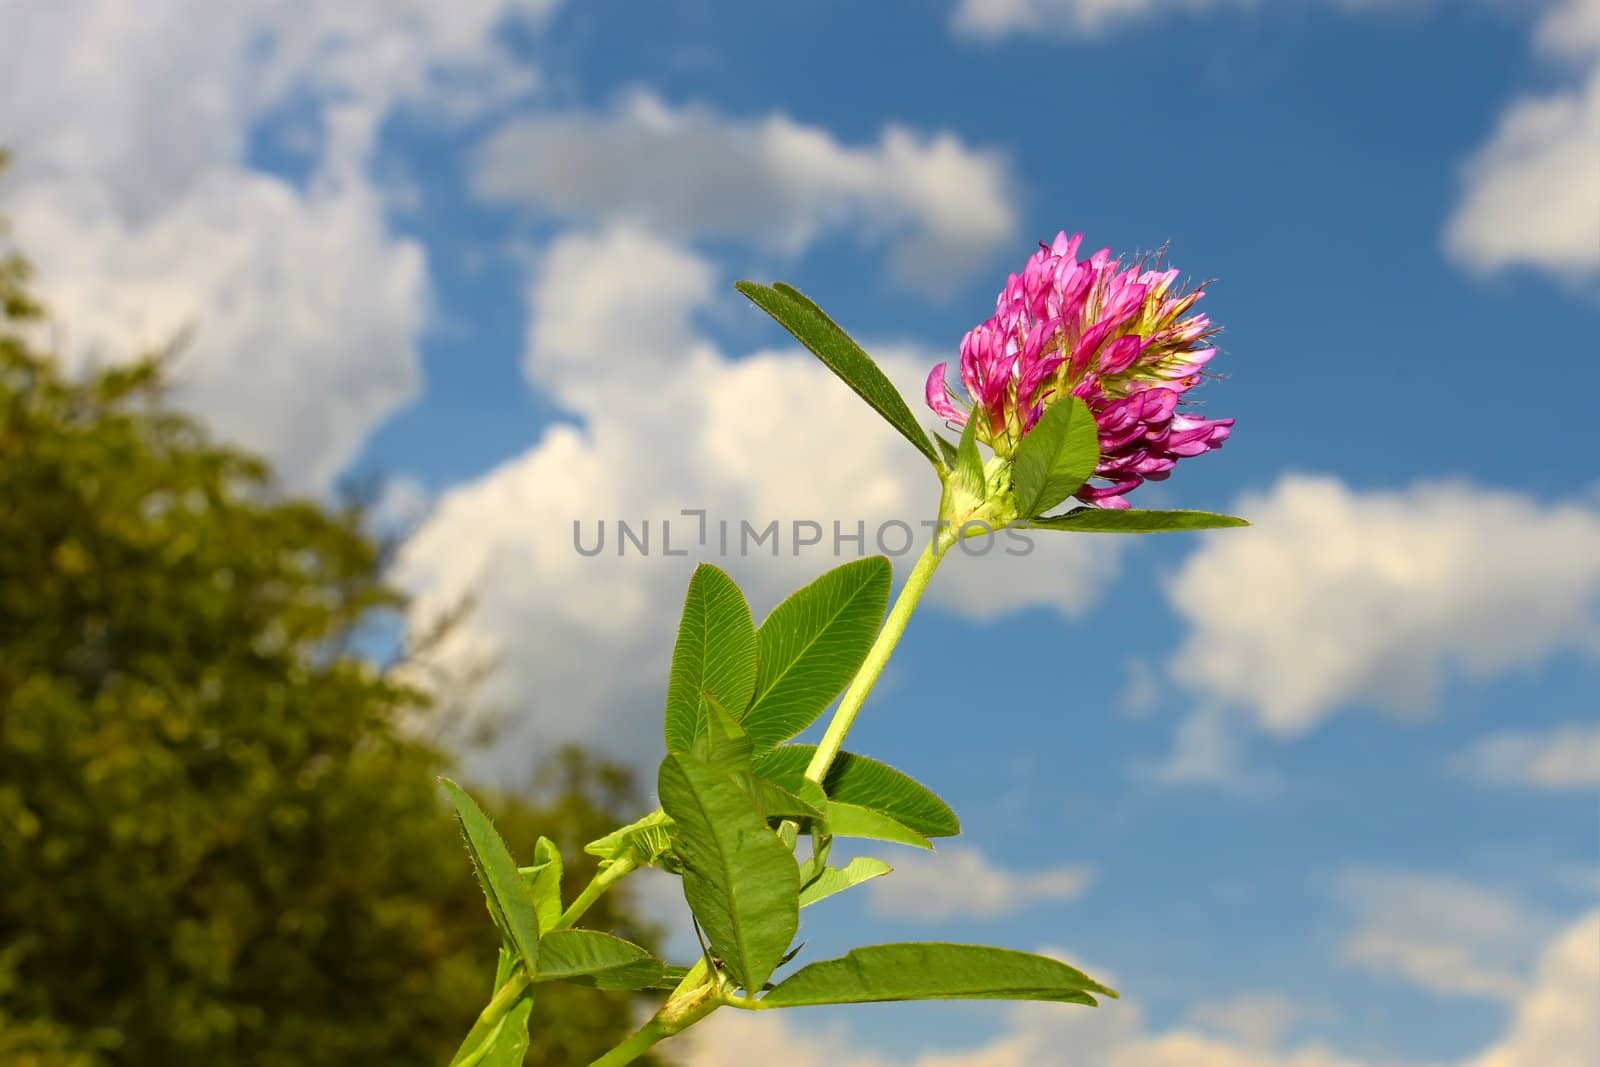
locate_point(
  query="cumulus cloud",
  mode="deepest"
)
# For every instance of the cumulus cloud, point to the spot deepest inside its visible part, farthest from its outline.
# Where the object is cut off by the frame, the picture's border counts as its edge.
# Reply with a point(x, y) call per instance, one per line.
point(1531, 193)
point(1258, 1020)
point(1566, 757)
point(692, 172)
point(301, 311)
point(1556, 1024)
point(1068, 18)
point(963, 882)
point(1442, 934)
point(737, 1039)
point(1570, 29)
point(1208, 749)
point(669, 422)
point(1113, 1035)
point(134, 194)
point(1338, 597)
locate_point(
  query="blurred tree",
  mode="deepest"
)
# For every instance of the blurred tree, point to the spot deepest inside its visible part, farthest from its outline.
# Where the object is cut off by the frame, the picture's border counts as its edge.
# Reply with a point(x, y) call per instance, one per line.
point(217, 843)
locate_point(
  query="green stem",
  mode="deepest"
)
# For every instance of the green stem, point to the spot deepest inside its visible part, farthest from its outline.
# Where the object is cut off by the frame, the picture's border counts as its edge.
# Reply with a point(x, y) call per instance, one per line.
point(502, 1002)
point(877, 658)
point(643, 1039)
point(592, 892)
point(692, 1001)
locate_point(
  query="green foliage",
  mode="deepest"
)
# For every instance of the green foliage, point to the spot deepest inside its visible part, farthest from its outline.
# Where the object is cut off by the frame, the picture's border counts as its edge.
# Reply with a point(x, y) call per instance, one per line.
point(934, 971)
point(500, 1034)
point(510, 903)
point(1056, 457)
point(811, 645)
point(599, 959)
point(867, 783)
point(795, 312)
point(508, 1047)
point(715, 654)
point(722, 798)
point(721, 741)
point(645, 842)
point(853, 820)
point(740, 879)
point(833, 880)
point(578, 799)
point(219, 845)
point(1133, 521)
point(543, 880)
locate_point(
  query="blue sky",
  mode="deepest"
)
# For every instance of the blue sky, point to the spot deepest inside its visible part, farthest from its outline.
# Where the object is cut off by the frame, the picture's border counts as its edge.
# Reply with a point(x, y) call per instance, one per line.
point(1315, 794)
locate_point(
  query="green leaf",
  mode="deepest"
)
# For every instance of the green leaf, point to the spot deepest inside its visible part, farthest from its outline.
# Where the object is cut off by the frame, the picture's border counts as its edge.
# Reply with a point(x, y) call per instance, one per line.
point(795, 312)
point(810, 792)
point(742, 884)
point(509, 1045)
point(868, 783)
point(934, 971)
point(543, 881)
point(502, 1042)
point(967, 486)
point(1056, 457)
point(509, 902)
point(1133, 521)
point(811, 645)
point(776, 802)
point(947, 450)
point(715, 653)
point(647, 842)
point(722, 741)
point(852, 820)
point(837, 879)
point(593, 958)
point(670, 978)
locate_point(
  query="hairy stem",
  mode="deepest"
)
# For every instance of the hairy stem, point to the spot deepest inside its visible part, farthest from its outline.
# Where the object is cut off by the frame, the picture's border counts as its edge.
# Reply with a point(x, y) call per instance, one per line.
point(877, 658)
point(592, 892)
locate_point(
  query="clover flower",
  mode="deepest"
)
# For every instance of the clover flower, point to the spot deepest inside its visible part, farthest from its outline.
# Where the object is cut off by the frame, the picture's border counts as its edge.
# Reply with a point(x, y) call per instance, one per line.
point(1116, 337)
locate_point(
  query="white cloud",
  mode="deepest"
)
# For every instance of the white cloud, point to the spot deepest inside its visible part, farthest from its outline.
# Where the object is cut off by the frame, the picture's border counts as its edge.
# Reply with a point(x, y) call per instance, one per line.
point(1068, 18)
point(1556, 1024)
point(1112, 1035)
point(398, 506)
point(1441, 934)
point(692, 172)
point(1566, 757)
point(670, 423)
point(1569, 29)
point(1338, 597)
point(963, 882)
point(1258, 1021)
point(738, 1039)
point(133, 192)
point(1208, 749)
point(302, 311)
point(1531, 195)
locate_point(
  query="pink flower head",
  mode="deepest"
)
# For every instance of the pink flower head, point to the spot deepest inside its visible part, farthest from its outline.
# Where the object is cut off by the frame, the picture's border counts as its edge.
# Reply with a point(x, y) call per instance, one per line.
point(1120, 338)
